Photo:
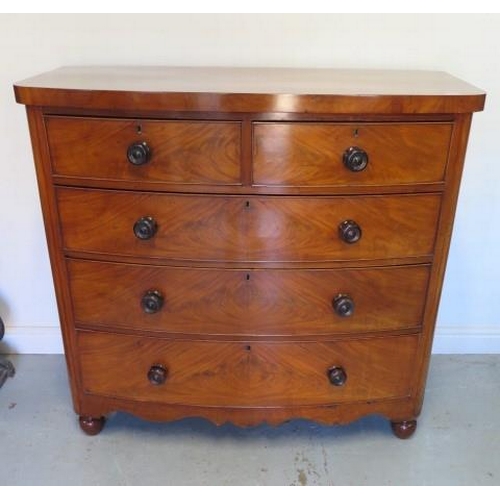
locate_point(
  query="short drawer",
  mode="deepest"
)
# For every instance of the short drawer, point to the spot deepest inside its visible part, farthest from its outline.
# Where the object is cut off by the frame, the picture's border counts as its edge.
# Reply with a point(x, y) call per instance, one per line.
point(258, 302)
point(325, 154)
point(146, 151)
point(248, 229)
point(246, 374)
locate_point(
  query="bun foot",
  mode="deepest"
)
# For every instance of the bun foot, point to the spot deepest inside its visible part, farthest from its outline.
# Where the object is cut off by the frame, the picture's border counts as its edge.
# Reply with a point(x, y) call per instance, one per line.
point(91, 425)
point(404, 429)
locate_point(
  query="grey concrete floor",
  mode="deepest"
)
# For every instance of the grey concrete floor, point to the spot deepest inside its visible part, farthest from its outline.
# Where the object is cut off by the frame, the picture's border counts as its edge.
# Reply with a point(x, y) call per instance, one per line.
point(457, 441)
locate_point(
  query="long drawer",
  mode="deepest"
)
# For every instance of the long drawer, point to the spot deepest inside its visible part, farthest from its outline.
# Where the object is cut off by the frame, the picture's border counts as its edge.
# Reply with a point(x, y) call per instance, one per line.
point(252, 302)
point(357, 154)
point(246, 374)
point(146, 151)
point(248, 229)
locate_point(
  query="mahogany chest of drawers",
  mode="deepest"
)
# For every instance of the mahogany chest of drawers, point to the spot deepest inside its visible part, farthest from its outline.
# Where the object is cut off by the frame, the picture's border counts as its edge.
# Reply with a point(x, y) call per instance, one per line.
point(248, 245)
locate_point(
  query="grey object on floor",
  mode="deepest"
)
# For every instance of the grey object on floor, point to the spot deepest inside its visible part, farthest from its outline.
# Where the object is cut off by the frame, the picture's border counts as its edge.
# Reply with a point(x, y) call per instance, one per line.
point(6, 367)
point(6, 370)
point(457, 441)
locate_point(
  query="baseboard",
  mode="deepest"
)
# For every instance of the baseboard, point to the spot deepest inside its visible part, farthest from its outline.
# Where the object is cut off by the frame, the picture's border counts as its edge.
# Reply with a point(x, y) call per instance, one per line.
point(448, 340)
point(466, 340)
point(32, 340)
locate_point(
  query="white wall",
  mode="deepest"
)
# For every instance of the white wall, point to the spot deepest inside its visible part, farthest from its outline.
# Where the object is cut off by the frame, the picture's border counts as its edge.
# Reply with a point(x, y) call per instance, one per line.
point(467, 46)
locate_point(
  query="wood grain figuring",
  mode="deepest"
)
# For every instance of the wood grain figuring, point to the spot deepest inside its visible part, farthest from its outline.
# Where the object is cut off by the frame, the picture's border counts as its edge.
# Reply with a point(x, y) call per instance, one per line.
point(246, 374)
point(182, 152)
point(300, 154)
point(248, 229)
point(260, 302)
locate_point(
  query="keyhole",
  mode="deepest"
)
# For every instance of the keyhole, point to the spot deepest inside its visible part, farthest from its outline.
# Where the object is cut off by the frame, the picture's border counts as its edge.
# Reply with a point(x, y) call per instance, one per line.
point(248, 348)
point(356, 132)
point(248, 277)
point(139, 128)
point(247, 204)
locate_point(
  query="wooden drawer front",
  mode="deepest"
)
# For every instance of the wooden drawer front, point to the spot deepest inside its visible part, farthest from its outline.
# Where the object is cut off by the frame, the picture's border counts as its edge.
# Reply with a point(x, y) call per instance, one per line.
point(183, 152)
point(263, 302)
point(248, 229)
point(293, 154)
point(211, 373)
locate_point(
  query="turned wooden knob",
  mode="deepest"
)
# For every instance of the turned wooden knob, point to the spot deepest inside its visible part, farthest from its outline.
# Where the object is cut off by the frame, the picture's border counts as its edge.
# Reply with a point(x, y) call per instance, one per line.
point(145, 228)
point(343, 305)
point(337, 376)
point(355, 159)
point(138, 153)
point(157, 374)
point(349, 231)
point(152, 301)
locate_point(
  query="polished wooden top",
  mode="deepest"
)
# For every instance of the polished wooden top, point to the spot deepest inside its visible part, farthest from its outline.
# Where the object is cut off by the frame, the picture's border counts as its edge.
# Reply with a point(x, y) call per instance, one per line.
point(250, 90)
